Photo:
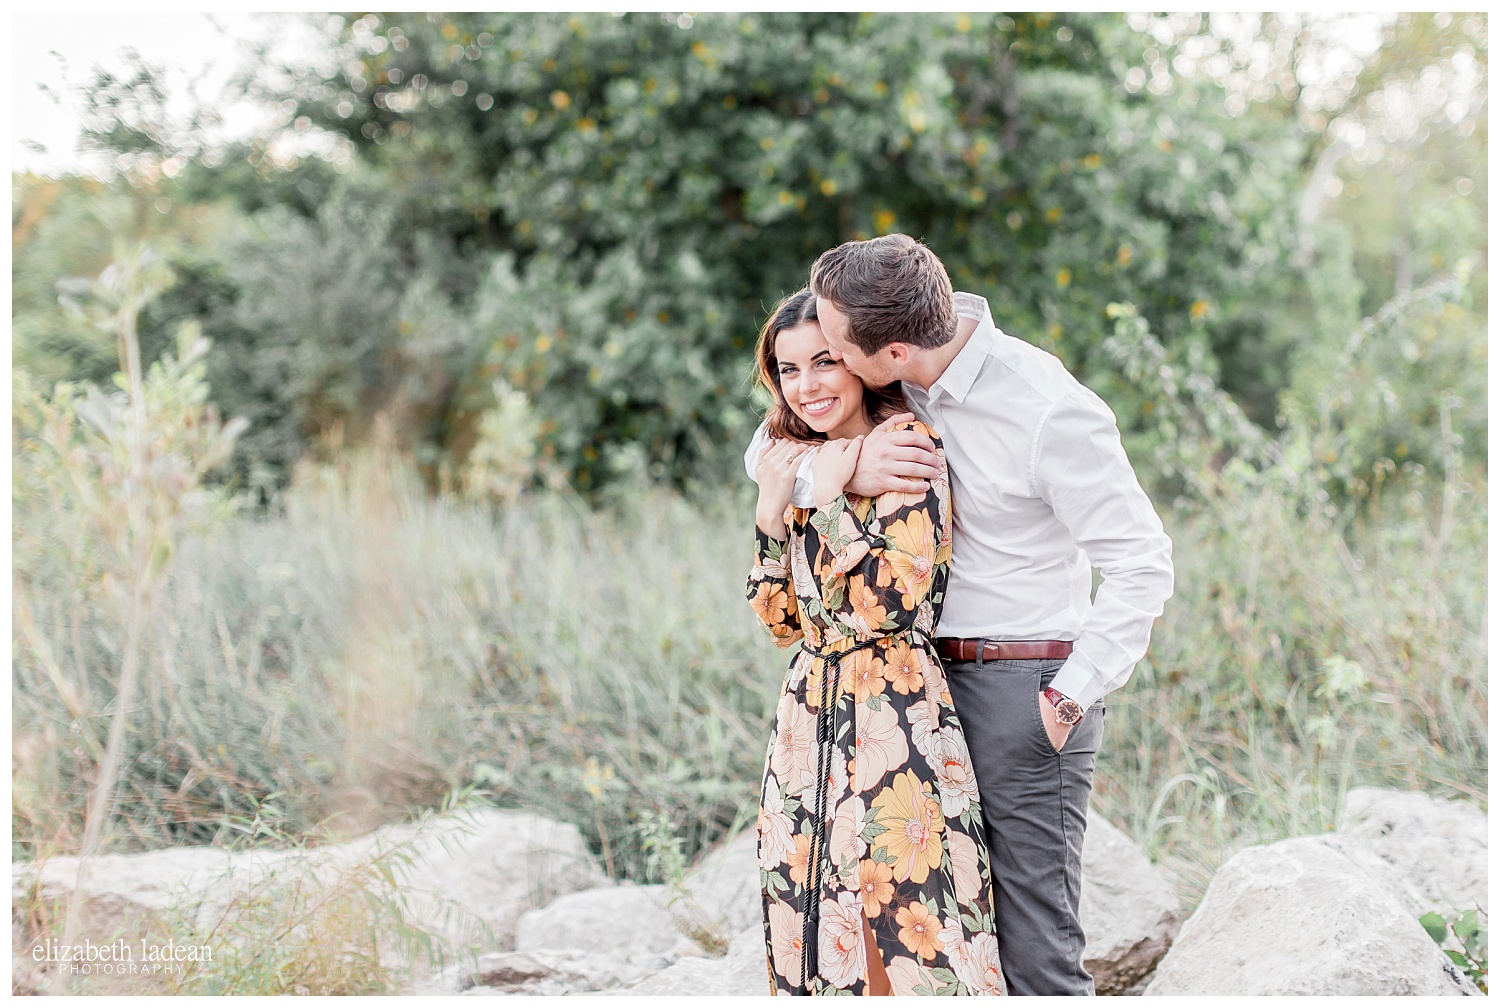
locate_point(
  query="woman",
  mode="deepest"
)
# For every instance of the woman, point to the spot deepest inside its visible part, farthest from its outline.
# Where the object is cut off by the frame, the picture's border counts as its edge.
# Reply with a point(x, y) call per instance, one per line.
point(878, 881)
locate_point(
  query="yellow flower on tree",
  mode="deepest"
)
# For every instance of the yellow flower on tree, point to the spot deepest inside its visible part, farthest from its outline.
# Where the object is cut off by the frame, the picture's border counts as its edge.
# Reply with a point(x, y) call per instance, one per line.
point(912, 820)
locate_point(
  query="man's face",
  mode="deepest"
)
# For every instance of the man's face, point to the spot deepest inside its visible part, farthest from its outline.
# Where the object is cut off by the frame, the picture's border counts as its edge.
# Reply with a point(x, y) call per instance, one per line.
point(875, 370)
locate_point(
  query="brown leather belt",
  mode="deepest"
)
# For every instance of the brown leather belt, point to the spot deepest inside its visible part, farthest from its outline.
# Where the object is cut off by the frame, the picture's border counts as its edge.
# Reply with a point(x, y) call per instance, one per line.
point(978, 649)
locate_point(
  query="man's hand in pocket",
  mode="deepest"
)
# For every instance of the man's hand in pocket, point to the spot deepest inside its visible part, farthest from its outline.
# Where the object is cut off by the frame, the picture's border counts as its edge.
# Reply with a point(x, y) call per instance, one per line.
point(1057, 732)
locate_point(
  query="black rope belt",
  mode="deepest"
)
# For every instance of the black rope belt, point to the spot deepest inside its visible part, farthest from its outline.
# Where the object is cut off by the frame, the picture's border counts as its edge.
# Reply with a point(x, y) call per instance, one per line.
point(817, 851)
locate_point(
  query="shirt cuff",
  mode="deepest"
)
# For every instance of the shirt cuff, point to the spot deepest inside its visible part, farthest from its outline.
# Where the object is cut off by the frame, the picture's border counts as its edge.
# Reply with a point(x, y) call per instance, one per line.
point(1076, 683)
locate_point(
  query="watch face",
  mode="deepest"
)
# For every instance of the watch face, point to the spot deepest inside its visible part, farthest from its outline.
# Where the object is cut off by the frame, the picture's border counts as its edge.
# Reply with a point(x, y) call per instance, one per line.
point(1068, 712)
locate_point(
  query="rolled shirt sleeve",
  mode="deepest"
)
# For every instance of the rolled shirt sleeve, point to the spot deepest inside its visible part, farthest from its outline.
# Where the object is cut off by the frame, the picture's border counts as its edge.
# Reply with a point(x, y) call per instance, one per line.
point(1080, 468)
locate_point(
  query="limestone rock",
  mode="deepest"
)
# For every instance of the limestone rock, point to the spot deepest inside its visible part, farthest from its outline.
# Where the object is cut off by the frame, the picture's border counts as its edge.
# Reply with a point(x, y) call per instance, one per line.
point(1302, 917)
point(541, 972)
point(1130, 913)
point(127, 890)
point(1435, 852)
point(491, 866)
point(726, 884)
point(741, 972)
point(621, 921)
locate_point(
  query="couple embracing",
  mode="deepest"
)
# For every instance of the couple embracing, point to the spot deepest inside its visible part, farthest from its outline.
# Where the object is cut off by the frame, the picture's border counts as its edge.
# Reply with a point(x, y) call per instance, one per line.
point(933, 497)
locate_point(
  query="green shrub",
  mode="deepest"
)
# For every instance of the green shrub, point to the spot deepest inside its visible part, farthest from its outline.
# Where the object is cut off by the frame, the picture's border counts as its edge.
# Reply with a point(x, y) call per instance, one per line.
point(1473, 937)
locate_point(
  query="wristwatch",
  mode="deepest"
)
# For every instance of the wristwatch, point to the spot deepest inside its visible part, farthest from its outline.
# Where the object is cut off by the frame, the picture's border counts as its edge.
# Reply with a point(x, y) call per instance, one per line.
point(1068, 711)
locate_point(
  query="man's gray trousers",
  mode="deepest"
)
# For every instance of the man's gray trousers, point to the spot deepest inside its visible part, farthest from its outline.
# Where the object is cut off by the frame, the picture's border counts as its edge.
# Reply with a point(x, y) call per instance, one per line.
point(1035, 802)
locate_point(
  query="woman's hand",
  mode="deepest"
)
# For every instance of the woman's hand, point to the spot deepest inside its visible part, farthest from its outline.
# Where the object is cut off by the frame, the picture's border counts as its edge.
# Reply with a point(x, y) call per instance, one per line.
point(776, 475)
point(833, 464)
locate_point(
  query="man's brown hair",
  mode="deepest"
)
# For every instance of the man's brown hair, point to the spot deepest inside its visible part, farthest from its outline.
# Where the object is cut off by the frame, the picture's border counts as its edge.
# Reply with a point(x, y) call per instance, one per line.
point(893, 290)
point(781, 421)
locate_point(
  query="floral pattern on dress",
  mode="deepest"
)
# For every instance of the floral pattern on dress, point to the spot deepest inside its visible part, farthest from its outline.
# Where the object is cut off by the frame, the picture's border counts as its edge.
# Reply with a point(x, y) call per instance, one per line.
point(869, 811)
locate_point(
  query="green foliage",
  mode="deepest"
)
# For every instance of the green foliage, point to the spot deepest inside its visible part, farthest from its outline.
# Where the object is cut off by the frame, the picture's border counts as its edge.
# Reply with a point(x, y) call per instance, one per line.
point(593, 665)
point(1244, 724)
point(503, 460)
point(600, 210)
point(71, 227)
point(665, 862)
point(118, 476)
point(127, 471)
point(1405, 387)
point(324, 322)
point(56, 233)
point(653, 189)
point(1397, 392)
point(1468, 928)
point(1193, 425)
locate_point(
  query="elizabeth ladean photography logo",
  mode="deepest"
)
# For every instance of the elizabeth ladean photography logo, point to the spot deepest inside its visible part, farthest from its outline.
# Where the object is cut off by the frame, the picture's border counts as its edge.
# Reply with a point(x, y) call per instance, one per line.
point(120, 956)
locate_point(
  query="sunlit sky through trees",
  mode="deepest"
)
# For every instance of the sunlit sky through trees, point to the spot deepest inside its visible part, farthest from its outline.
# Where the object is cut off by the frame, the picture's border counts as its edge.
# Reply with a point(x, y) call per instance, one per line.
point(55, 53)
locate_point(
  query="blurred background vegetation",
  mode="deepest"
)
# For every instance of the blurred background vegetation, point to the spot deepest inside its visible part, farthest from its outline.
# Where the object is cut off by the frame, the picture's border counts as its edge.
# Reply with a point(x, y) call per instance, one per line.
point(484, 297)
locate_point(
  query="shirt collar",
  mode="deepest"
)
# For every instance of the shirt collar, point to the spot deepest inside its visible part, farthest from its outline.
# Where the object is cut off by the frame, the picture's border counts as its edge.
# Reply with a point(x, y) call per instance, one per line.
point(959, 376)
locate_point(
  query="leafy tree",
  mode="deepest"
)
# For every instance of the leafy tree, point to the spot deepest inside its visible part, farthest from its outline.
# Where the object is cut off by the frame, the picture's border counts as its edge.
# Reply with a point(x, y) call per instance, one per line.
point(644, 187)
point(600, 210)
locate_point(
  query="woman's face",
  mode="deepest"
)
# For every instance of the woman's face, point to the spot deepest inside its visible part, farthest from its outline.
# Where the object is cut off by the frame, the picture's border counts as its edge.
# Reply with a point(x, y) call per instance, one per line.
point(818, 388)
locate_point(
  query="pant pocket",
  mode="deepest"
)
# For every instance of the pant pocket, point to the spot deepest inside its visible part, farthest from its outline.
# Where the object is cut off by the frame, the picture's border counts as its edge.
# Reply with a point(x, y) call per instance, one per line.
point(1087, 733)
point(1039, 734)
point(1045, 673)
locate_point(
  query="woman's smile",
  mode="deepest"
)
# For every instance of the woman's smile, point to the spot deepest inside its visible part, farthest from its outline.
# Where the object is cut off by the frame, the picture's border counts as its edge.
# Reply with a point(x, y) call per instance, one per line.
point(817, 386)
point(819, 407)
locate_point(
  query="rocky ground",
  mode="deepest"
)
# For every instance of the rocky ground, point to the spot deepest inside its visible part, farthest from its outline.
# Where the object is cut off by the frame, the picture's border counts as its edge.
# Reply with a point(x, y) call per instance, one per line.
point(1329, 914)
point(1337, 913)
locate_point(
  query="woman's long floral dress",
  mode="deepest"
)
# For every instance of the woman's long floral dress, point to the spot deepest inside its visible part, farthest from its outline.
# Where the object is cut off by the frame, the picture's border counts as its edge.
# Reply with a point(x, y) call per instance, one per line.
point(895, 838)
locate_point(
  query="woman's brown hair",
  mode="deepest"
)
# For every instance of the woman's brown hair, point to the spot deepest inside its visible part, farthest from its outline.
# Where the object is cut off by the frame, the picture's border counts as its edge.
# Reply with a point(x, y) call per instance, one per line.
point(781, 422)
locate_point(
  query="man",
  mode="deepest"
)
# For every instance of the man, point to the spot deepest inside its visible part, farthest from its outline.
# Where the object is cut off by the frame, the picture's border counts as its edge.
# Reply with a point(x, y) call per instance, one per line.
point(1042, 491)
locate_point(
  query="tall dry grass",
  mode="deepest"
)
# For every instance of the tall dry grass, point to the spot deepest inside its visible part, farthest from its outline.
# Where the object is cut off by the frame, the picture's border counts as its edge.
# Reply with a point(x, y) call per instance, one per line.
point(373, 648)
point(367, 649)
point(1302, 655)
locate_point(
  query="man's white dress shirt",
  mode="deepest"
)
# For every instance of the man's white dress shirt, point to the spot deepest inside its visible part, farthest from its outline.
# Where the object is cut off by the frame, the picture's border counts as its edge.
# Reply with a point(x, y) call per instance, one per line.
point(1042, 490)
